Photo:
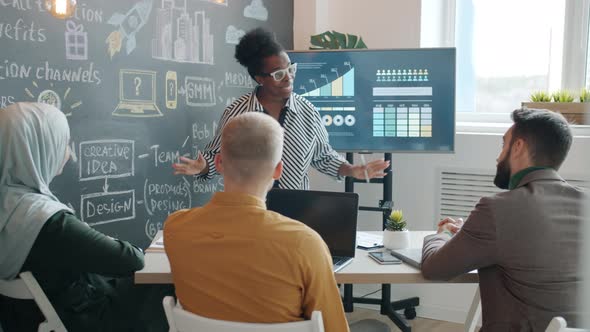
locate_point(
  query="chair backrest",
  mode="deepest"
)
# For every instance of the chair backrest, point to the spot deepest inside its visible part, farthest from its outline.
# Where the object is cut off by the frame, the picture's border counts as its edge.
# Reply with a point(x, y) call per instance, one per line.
point(558, 324)
point(184, 321)
point(26, 287)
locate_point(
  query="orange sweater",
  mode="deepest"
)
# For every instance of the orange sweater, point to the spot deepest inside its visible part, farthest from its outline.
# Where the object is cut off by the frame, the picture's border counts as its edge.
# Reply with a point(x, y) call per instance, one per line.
point(234, 260)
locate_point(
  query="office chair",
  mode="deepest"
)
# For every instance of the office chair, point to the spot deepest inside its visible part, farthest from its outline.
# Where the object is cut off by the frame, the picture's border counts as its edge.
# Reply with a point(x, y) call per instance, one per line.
point(26, 287)
point(184, 321)
point(558, 324)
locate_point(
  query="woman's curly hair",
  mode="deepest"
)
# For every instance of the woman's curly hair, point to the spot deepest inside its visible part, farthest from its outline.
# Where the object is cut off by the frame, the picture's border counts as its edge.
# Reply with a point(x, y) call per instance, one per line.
point(254, 47)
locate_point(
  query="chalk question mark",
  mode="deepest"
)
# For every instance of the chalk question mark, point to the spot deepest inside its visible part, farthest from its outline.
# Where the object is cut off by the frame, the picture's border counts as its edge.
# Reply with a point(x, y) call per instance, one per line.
point(171, 87)
point(137, 82)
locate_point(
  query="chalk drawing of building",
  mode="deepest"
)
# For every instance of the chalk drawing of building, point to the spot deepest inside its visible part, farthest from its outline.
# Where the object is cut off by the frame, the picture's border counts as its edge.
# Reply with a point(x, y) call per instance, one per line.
point(180, 36)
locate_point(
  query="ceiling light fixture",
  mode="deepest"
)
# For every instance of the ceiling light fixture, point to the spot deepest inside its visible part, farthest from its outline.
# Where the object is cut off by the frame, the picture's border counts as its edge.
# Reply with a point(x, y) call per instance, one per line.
point(61, 9)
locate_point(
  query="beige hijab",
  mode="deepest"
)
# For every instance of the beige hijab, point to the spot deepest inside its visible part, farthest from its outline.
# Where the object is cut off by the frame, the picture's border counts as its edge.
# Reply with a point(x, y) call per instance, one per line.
point(33, 143)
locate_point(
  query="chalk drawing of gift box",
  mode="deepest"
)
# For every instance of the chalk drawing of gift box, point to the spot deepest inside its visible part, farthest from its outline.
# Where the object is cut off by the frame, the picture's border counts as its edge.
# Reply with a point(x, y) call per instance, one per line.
point(76, 41)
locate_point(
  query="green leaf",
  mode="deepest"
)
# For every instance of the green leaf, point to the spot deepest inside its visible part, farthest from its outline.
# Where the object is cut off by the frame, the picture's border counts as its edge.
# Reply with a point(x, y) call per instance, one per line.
point(361, 44)
point(395, 221)
point(332, 40)
point(540, 96)
point(351, 42)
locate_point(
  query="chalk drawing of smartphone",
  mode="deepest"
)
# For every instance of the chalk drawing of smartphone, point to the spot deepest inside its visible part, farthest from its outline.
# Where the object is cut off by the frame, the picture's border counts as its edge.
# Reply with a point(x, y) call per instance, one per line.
point(171, 89)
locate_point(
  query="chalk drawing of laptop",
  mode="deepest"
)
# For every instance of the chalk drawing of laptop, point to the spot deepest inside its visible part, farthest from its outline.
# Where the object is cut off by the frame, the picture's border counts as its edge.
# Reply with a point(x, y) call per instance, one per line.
point(137, 94)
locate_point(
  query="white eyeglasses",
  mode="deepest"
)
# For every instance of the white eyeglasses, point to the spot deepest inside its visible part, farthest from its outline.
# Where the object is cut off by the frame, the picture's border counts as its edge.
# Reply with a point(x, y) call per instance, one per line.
point(279, 75)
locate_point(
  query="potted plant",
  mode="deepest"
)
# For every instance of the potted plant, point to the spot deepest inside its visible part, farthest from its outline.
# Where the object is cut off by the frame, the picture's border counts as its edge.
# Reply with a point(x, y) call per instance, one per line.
point(564, 102)
point(396, 235)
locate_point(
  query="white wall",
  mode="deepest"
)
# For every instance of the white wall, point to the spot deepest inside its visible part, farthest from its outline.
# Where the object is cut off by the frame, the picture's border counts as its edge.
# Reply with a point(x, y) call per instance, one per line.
point(393, 24)
point(381, 23)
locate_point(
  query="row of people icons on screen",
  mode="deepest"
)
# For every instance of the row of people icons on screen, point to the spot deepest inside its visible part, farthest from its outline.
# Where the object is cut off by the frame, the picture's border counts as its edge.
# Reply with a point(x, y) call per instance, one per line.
point(402, 72)
point(402, 75)
point(402, 79)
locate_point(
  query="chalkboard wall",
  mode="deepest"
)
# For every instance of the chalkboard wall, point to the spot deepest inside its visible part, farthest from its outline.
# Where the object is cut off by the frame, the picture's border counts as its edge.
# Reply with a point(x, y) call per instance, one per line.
point(142, 83)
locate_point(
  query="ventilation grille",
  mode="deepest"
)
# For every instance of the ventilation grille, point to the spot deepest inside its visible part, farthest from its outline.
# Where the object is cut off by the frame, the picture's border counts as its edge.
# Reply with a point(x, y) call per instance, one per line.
point(460, 190)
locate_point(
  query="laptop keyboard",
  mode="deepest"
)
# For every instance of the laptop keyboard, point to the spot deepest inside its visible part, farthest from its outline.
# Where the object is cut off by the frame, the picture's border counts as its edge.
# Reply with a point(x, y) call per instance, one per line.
point(338, 259)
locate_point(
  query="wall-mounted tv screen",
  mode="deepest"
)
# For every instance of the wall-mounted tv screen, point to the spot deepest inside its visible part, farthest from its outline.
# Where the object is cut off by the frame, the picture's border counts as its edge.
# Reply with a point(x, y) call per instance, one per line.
point(398, 100)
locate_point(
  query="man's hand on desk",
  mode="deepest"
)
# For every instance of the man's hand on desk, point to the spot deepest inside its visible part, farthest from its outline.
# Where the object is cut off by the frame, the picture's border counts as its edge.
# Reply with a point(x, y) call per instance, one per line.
point(450, 225)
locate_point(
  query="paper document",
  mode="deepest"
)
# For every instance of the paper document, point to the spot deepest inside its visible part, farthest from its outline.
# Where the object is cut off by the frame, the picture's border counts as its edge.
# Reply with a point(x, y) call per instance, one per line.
point(366, 240)
point(157, 245)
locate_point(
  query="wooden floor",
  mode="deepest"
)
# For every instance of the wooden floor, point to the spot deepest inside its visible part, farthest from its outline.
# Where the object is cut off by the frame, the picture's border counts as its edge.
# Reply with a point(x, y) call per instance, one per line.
point(418, 324)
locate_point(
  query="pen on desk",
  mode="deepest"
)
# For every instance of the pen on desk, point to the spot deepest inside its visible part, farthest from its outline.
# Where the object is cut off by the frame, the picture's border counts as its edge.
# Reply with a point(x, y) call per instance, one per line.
point(364, 163)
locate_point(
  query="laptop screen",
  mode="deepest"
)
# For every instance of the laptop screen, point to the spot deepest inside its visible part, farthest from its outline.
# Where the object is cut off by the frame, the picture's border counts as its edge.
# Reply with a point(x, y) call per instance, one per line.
point(332, 214)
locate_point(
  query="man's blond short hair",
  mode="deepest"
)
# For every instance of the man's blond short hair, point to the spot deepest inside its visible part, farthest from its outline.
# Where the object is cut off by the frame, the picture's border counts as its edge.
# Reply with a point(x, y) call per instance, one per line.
point(251, 146)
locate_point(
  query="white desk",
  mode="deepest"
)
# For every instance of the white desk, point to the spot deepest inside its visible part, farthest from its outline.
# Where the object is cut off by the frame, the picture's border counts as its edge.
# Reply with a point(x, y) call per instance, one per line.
point(362, 270)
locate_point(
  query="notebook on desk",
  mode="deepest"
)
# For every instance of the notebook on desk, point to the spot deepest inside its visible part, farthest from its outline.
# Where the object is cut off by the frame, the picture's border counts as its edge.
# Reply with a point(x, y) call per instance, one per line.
point(332, 214)
point(367, 241)
point(411, 256)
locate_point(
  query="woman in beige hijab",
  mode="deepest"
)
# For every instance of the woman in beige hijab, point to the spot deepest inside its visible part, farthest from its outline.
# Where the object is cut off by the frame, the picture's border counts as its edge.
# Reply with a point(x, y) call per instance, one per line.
point(70, 260)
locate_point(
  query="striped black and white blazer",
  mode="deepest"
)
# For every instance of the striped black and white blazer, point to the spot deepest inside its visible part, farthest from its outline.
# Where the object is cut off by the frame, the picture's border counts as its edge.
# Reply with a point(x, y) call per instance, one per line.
point(305, 141)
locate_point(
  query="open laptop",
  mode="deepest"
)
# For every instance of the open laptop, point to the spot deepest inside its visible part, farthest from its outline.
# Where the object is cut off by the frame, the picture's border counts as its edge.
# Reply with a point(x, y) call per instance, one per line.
point(137, 94)
point(411, 256)
point(332, 214)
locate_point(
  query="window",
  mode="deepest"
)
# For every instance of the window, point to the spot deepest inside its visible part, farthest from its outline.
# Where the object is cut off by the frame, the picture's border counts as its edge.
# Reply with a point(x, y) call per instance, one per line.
point(508, 49)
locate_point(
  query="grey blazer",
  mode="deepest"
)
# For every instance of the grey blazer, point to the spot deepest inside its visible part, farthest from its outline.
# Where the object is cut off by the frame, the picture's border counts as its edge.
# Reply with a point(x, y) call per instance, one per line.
point(526, 245)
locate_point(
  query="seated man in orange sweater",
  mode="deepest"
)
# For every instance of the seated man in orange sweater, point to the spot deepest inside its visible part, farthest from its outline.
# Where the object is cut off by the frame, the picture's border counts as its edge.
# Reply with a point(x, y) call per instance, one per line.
point(234, 260)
